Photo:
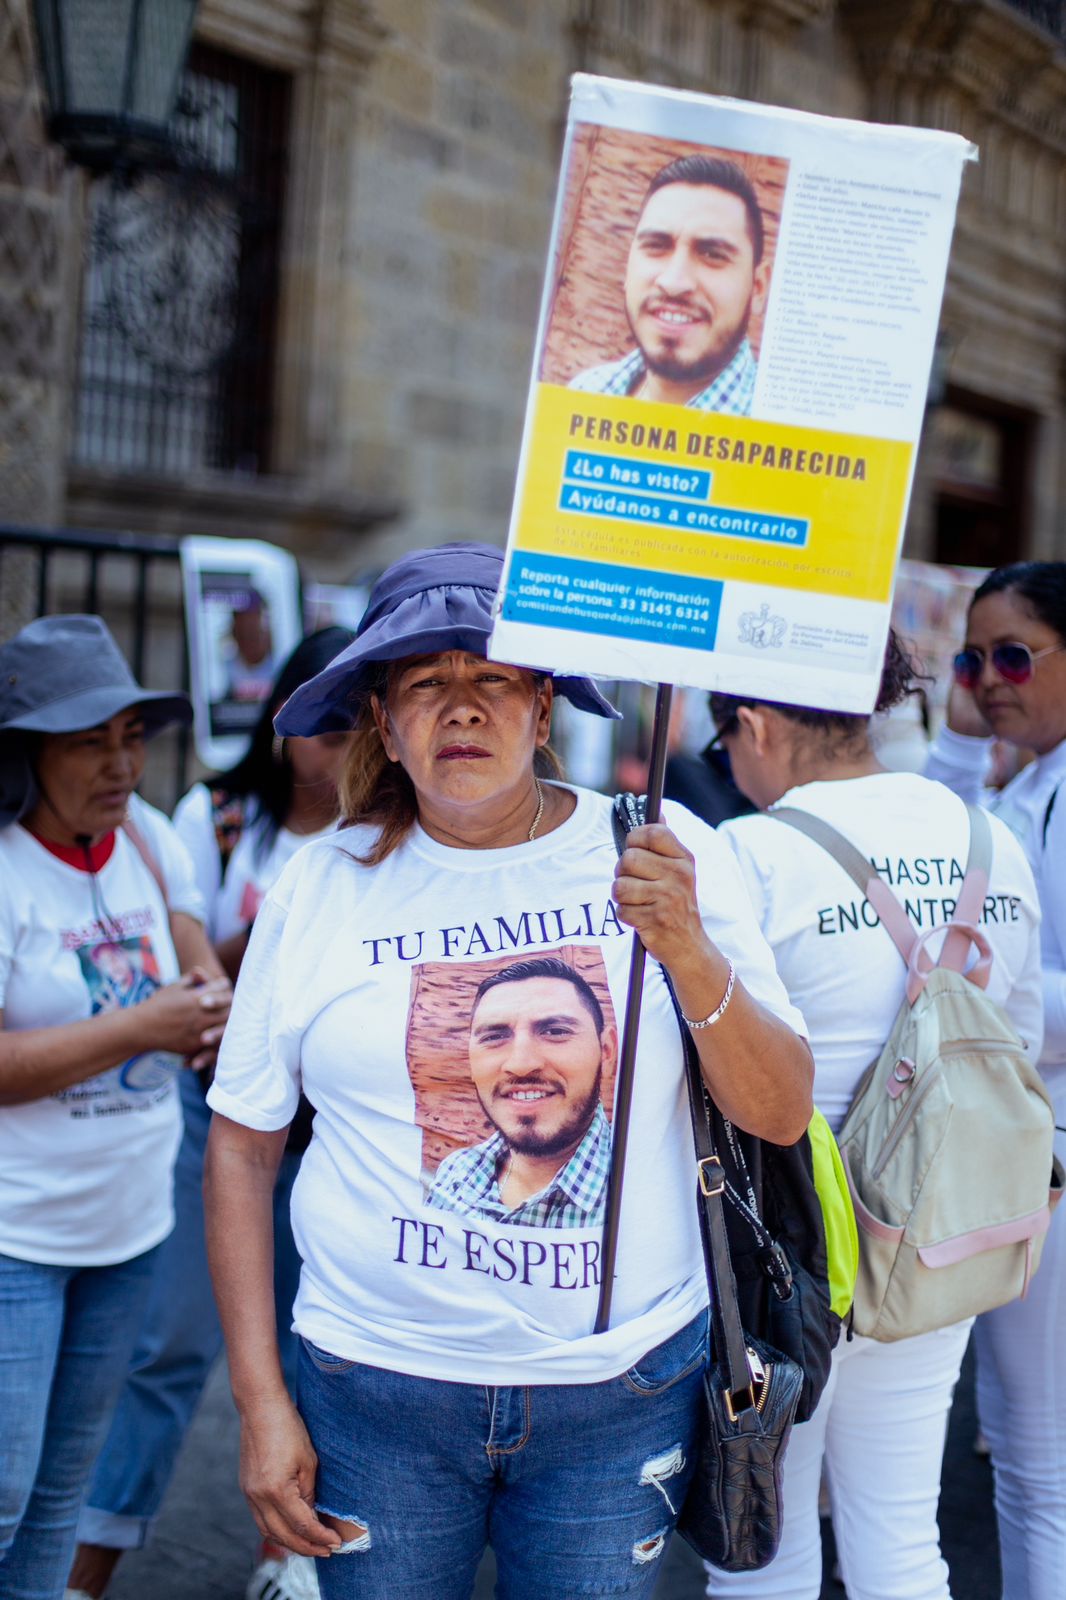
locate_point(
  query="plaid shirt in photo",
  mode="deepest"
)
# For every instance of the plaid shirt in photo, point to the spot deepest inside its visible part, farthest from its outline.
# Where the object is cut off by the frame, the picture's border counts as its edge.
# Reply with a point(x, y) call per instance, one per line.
point(730, 392)
point(575, 1198)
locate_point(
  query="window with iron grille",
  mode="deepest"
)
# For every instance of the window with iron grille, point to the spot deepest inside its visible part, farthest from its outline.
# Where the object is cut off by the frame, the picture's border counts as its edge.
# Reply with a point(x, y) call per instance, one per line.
point(1050, 14)
point(180, 292)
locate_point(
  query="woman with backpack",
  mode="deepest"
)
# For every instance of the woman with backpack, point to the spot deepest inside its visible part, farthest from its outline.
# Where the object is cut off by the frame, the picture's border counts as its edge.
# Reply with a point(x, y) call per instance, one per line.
point(879, 1427)
point(240, 829)
point(1010, 680)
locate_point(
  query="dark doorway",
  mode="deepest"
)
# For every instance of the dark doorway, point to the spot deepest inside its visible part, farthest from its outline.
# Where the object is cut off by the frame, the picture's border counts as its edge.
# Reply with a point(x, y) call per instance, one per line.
point(980, 453)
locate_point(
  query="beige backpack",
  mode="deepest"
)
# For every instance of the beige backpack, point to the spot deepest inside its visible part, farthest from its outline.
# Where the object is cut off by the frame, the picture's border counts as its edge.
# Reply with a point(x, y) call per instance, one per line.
point(948, 1142)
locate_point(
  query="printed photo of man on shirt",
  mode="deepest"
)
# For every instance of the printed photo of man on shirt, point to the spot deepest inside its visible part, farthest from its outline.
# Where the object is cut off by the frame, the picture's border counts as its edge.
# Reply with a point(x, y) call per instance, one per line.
point(540, 1047)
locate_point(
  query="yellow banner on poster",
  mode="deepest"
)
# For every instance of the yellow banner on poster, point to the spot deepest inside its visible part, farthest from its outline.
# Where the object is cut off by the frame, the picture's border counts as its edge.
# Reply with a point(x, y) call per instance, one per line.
point(658, 488)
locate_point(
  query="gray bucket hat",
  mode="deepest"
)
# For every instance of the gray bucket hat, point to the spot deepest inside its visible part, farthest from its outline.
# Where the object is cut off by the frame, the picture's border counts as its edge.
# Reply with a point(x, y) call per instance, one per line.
point(60, 675)
point(427, 601)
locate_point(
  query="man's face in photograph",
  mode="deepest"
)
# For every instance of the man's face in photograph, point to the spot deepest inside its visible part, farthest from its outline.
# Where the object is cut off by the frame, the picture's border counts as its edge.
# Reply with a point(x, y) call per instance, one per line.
point(537, 1060)
point(115, 964)
point(691, 281)
point(251, 633)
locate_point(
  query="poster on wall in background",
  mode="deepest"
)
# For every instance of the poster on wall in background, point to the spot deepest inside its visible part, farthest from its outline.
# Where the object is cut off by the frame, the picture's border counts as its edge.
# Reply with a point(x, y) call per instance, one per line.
point(735, 339)
point(242, 613)
point(929, 613)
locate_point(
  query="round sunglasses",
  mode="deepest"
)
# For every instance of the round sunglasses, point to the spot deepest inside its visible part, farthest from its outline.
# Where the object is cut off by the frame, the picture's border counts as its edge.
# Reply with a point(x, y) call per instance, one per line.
point(1014, 662)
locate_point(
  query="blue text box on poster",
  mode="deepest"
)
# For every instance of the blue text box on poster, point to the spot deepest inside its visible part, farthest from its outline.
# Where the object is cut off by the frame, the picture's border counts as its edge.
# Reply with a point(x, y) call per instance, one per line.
point(595, 597)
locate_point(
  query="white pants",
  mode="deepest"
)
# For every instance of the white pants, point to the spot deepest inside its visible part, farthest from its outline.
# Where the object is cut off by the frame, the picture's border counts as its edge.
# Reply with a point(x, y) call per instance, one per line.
point(1021, 1401)
point(880, 1427)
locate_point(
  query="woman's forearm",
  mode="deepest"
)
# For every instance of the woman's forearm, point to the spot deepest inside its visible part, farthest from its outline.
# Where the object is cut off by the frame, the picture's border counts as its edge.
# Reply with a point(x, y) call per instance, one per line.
point(961, 761)
point(278, 1461)
point(239, 1174)
point(193, 948)
point(35, 1062)
point(757, 1070)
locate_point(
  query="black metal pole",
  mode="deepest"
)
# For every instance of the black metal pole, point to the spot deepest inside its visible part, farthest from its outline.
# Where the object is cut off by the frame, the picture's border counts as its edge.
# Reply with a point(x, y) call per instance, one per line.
point(623, 1089)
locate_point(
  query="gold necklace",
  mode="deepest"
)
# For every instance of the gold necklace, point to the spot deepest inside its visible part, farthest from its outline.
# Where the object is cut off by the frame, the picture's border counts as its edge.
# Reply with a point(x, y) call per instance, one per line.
point(540, 811)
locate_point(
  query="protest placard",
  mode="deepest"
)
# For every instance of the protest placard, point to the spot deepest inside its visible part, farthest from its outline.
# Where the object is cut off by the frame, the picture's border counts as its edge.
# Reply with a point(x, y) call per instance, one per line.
point(735, 339)
point(242, 614)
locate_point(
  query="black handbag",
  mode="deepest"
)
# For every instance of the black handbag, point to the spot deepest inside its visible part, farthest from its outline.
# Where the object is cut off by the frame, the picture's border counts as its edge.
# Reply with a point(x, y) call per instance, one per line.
point(732, 1512)
point(777, 1247)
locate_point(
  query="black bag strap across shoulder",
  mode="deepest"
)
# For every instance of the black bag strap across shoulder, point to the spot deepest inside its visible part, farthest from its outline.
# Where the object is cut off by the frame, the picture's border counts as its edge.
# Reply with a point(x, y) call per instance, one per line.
point(730, 1345)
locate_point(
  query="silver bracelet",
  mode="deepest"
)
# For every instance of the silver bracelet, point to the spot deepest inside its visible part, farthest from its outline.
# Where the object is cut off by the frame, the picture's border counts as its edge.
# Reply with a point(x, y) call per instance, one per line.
point(708, 1022)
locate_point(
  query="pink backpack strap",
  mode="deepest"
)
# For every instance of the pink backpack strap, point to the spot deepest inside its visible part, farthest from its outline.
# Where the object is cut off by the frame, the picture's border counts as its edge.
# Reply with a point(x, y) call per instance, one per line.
point(894, 919)
point(140, 844)
point(971, 901)
point(963, 931)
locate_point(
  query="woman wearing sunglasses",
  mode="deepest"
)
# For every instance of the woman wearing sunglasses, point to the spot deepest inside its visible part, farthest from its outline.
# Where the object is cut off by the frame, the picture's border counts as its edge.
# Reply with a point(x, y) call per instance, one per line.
point(1010, 682)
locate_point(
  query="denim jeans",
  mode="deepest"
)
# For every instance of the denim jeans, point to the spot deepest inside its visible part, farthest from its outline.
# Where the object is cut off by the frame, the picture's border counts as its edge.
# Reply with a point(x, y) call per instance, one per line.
point(178, 1341)
point(575, 1486)
point(65, 1339)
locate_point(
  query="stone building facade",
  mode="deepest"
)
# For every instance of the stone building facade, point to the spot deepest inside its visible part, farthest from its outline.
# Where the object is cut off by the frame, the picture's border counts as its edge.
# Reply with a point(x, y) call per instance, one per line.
point(419, 165)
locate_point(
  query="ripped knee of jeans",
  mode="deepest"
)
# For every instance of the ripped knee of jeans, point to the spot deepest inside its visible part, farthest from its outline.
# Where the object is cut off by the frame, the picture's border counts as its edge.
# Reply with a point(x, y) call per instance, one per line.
point(649, 1549)
point(355, 1534)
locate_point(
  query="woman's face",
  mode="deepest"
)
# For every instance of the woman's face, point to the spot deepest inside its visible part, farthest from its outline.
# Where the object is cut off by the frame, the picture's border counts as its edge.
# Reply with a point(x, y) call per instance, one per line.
point(464, 729)
point(317, 760)
point(85, 779)
point(1031, 714)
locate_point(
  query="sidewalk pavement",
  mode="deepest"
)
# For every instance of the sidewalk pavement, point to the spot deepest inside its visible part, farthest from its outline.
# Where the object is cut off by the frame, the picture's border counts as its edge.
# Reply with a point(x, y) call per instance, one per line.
point(205, 1542)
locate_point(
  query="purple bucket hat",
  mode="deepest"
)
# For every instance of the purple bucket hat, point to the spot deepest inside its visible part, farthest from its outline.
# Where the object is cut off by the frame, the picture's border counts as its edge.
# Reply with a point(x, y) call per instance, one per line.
point(428, 601)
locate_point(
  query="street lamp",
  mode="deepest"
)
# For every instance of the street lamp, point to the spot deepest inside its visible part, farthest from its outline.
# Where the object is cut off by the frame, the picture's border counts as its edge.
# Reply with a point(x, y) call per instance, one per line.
point(111, 72)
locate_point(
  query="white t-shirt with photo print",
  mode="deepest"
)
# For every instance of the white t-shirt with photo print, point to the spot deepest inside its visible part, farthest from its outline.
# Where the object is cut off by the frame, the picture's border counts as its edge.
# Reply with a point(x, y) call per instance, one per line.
point(332, 998)
point(839, 966)
point(85, 1174)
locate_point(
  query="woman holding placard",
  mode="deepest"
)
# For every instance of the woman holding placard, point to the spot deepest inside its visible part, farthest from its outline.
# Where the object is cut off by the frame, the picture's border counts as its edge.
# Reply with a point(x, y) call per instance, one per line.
point(443, 977)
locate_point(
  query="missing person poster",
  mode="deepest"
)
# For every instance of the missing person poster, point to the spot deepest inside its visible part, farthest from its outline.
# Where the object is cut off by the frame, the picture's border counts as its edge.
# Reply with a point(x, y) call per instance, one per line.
point(730, 375)
point(242, 613)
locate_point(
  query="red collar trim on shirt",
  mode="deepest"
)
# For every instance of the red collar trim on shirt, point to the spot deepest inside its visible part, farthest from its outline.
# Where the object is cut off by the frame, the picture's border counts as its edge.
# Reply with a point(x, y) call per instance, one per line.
point(74, 856)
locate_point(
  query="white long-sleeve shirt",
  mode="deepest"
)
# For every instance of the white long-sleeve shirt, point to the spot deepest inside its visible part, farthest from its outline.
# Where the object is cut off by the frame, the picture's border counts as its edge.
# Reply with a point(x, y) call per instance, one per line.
point(962, 763)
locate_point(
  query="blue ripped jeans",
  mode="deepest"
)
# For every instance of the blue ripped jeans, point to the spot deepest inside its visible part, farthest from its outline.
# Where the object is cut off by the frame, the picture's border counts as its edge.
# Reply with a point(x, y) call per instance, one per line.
point(65, 1339)
point(575, 1486)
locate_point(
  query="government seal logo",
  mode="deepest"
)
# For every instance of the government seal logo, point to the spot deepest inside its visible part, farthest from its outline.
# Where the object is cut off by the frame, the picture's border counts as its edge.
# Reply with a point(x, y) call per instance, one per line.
point(761, 629)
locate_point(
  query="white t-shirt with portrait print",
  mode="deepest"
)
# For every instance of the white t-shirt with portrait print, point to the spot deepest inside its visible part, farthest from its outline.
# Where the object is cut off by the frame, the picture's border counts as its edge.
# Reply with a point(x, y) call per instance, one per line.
point(355, 979)
point(85, 1174)
point(839, 966)
point(233, 899)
